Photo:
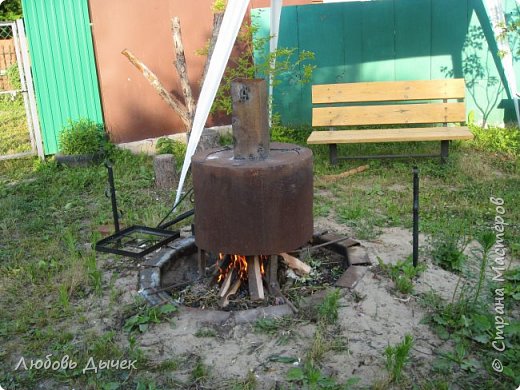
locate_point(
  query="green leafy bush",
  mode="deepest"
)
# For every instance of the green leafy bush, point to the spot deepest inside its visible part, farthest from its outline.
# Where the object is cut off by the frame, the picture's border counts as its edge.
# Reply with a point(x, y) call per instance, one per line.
point(151, 315)
point(447, 249)
point(82, 137)
point(288, 64)
point(397, 356)
point(293, 135)
point(328, 310)
point(11, 10)
point(171, 146)
point(226, 139)
point(402, 273)
point(497, 139)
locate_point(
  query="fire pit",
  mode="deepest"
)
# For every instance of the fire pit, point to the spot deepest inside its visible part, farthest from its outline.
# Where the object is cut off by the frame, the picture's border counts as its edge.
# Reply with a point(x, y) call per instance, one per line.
point(253, 216)
point(253, 201)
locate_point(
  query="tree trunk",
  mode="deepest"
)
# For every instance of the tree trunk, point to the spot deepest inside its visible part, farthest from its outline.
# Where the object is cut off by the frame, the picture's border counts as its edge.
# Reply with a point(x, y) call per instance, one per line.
point(165, 174)
point(217, 22)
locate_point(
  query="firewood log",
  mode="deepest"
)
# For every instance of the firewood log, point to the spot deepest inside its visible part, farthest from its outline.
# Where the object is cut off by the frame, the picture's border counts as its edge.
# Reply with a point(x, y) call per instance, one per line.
point(296, 264)
point(224, 301)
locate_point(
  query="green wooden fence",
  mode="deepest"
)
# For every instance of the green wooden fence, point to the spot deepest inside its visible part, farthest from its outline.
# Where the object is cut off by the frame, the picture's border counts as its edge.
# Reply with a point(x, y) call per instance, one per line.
point(63, 65)
point(391, 40)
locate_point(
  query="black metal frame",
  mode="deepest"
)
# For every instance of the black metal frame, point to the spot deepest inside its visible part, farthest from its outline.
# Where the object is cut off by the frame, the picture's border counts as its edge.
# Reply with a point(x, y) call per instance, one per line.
point(125, 238)
point(127, 242)
point(333, 154)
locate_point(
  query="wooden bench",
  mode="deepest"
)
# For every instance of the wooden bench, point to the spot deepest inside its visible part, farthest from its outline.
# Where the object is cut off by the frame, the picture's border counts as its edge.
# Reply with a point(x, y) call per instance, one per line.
point(389, 103)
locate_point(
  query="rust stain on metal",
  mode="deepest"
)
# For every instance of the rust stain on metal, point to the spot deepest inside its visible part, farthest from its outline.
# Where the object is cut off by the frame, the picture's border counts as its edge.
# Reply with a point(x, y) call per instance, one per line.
point(253, 207)
point(250, 119)
point(255, 199)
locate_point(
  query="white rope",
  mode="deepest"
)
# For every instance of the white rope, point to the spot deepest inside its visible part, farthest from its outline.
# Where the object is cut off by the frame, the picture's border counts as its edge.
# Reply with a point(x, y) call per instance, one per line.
point(495, 10)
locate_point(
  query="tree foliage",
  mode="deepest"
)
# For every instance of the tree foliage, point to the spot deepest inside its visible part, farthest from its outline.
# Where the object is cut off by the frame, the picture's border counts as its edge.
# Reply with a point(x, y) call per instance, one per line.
point(10, 10)
point(284, 64)
point(511, 31)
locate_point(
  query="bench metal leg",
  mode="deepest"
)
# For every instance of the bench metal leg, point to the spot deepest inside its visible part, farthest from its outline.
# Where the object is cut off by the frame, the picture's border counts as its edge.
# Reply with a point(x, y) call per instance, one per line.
point(333, 154)
point(445, 146)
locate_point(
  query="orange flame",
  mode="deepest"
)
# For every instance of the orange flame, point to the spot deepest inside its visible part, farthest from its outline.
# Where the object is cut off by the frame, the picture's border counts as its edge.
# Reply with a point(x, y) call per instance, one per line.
point(238, 263)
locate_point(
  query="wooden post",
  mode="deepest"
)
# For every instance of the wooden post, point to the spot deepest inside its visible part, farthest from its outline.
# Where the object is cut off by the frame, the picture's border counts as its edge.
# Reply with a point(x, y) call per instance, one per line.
point(272, 274)
point(256, 287)
point(164, 170)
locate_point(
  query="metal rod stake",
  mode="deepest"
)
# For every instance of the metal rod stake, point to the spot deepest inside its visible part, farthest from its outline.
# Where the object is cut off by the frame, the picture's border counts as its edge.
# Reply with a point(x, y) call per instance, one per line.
point(415, 255)
point(113, 196)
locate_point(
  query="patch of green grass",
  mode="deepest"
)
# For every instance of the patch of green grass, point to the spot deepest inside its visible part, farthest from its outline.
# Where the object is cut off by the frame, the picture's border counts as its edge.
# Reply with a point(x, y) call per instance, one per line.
point(397, 356)
point(150, 315)
point(447, 248)
point(328, 310)
point(105, 346)
point(511, 286)
point(327, 337)
point(82, 137)
point(322, 206)
point(402, 273)
point(226, 139)
point(14, 134)
point(168, 365)
point(282, 328)
point(273, 325)
point(311, 377)
point(172, 146)
point(200, 372)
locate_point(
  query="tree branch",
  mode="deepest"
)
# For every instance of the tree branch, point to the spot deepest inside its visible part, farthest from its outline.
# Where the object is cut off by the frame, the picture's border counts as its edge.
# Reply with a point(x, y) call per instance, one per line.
point(171, 100)
point(182, 70)
point(217, 22)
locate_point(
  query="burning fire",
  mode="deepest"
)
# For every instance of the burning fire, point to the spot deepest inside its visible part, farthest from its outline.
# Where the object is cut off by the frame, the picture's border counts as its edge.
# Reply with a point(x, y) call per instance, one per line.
point(239, 264)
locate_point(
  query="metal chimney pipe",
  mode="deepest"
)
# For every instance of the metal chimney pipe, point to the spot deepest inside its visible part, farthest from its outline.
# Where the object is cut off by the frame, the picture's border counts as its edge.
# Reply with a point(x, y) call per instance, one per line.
point(250, 119)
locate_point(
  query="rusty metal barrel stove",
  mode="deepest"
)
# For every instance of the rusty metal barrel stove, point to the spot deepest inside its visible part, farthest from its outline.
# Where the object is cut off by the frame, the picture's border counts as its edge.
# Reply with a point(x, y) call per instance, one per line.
point(256, 198)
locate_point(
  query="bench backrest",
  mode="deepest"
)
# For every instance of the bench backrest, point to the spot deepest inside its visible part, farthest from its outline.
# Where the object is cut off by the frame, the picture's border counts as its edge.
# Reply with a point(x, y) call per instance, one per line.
point(418, 109)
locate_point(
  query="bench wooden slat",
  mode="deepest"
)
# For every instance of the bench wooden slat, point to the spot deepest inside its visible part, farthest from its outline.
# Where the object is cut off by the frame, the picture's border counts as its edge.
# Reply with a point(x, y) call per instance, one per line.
point(389, 135)
point(388, 91)
point(389, 114)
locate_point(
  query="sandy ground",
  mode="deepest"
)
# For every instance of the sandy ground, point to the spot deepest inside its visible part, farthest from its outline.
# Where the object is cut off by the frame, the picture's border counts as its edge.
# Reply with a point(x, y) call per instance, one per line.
point(371, 317)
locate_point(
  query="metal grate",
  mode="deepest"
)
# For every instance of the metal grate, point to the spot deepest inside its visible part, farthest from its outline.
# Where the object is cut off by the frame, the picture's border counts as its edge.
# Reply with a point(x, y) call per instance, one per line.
point(6, 31)
point(136, 241)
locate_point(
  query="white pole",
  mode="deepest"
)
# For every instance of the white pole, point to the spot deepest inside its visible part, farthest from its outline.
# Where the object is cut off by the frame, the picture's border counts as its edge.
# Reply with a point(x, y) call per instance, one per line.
point(276, 12)
point(23, 85)
point(233, 17)
point(495, 12)
point(30, 89)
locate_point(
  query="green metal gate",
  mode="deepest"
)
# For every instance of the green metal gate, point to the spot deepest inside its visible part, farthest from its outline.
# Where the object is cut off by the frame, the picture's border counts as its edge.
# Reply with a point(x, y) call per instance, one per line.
point(63, 65)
